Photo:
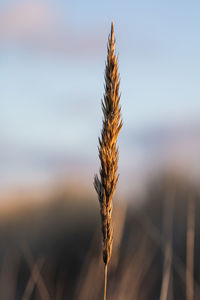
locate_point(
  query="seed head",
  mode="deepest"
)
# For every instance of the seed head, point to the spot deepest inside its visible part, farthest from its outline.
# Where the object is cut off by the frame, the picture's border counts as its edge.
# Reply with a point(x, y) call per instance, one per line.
point(108, 150)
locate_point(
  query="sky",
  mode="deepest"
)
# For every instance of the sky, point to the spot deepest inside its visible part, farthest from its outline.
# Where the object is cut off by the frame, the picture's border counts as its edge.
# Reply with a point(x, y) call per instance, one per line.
point(52, 60)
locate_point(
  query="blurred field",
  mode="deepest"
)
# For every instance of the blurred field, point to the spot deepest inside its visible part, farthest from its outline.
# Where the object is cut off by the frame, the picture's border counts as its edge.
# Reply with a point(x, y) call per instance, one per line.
point(52, 249)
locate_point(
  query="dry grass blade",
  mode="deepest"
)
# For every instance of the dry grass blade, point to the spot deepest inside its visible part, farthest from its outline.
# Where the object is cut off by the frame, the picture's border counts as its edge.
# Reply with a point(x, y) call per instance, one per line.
point(33, 278)
point(119, 218)
point(108, 150)
point(44, 294)
point(93, 274)
point(8, 276)
point(90, 271)
point(190, 249)
point(154, 233)
point(168, 211)
point(127, 288)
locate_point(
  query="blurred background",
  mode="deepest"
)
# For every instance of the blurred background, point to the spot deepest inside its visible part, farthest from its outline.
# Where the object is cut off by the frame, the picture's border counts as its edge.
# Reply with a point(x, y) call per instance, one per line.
point(52, 60)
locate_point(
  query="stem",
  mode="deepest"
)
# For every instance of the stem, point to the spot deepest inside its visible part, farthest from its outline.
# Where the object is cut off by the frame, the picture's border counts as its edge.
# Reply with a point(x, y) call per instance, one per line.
point(190, 249)
point(168, 236)
point(105, 280)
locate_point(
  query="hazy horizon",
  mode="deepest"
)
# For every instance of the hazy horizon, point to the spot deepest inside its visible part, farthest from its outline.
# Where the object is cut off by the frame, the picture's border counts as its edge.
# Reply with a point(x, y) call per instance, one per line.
point(52, 57)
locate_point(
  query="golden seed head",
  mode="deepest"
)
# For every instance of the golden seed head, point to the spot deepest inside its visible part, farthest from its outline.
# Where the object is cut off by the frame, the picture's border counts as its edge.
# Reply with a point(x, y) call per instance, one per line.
point(108, 150)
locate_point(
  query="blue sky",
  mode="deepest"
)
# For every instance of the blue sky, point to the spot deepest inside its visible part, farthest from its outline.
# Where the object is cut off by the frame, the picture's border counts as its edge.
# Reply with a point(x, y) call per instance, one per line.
point(52, 58)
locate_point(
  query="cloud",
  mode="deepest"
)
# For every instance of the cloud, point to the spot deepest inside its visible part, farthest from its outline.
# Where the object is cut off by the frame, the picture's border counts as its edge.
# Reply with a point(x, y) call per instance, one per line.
point(26, 19)
point(41, 26)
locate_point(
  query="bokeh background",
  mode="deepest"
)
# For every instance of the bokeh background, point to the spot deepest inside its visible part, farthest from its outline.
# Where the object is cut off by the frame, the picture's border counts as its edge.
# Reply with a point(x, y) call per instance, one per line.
point(52, 60)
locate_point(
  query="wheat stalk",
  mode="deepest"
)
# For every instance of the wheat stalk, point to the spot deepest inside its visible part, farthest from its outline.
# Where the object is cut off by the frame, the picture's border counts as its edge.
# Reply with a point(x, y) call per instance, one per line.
point(108, 150)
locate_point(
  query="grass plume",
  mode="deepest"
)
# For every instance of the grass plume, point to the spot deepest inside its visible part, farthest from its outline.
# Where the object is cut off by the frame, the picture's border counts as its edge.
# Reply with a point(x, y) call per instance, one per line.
point(108, 150)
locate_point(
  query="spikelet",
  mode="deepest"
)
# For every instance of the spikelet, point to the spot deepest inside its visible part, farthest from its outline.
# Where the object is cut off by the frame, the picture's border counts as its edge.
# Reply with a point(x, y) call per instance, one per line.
point(108, 150)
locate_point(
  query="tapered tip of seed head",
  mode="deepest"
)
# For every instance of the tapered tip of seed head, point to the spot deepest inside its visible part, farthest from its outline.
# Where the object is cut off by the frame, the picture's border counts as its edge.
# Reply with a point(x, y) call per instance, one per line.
point(111, 39)
point(112, 26)
point(112, 29)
